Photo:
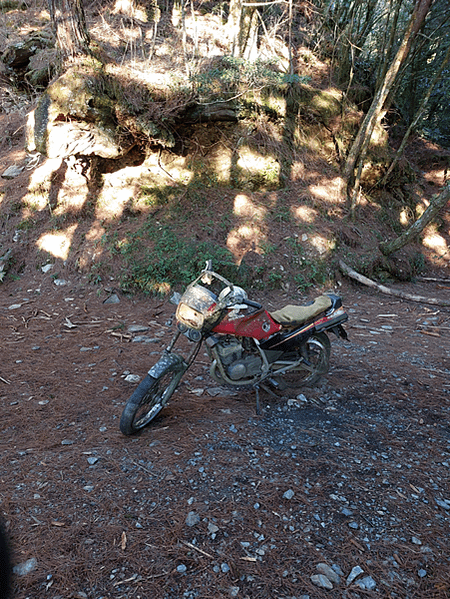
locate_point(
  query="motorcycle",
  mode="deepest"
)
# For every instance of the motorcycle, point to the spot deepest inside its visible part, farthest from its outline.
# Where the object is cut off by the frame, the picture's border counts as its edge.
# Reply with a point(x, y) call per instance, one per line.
point(248, 346)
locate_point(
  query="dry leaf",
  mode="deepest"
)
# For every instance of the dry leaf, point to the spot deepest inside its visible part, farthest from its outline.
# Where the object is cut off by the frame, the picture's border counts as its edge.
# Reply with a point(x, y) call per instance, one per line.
point(124, 541)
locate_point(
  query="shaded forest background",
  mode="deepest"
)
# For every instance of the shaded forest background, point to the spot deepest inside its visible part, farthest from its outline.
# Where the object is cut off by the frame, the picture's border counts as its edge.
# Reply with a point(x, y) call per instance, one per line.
point(277, 138)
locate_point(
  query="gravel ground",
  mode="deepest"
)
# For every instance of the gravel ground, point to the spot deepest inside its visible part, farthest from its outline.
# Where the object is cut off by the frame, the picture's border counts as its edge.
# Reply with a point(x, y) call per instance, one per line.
point(337, 491)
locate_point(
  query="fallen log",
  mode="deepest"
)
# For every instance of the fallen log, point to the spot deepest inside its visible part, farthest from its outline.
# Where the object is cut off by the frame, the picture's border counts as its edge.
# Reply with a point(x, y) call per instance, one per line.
point(346, 270)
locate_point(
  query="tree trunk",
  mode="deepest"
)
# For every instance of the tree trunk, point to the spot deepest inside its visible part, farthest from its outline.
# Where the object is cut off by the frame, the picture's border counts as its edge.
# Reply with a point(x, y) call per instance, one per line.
point(234, 25)
point(375, 112)
point(436, 204)
point(417, 116)
point(70, 27)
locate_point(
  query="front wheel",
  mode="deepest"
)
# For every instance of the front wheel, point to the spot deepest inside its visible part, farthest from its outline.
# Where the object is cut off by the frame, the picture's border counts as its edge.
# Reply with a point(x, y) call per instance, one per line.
point(151, 395)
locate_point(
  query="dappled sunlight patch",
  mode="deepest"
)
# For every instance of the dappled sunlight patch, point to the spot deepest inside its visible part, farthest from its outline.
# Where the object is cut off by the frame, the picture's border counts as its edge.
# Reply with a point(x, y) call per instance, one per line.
point(57, 243)
point(37, 196)
point(327, 102)
point(434, 241)
point(328, 190)
point(262, 170)
point(55, 185)
point(321, 244)
point(244, 239)
point(118, 191)
point(305, 214)
point(245, 207)
point(95, 233)
point(221, 162)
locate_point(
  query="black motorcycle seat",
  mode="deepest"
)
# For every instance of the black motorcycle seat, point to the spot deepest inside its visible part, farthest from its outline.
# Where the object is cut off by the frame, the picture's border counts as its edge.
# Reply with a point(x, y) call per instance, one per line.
point(293, 316)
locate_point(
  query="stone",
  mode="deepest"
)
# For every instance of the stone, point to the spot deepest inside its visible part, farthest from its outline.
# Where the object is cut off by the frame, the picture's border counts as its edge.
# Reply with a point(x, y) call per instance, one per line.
point(112, 299)
point(12, 172)
point(356, 571)
point(319, 580)
point(443, 503)
point(367, 583)
point(327, 571)
point(137, 328)
point(192, 519)
point(25, 567)
point(212, 528)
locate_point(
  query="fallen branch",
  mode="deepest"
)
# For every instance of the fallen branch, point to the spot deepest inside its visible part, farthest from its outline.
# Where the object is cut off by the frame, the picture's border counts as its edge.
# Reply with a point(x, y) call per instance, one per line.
point(346, 270)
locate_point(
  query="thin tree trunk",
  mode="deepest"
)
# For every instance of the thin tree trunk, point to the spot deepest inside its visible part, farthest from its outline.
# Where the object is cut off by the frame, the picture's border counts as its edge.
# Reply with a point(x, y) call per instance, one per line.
point(417, 117)
point(437, 202)
point(234, 24)
point(374, 114)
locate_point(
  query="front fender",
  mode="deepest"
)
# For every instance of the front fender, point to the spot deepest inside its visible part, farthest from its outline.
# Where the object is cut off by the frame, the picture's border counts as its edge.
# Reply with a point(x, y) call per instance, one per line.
point(168, 361)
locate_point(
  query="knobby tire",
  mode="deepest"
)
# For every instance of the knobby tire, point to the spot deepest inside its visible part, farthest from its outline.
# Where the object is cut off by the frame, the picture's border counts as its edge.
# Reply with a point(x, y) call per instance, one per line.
point(151, 395)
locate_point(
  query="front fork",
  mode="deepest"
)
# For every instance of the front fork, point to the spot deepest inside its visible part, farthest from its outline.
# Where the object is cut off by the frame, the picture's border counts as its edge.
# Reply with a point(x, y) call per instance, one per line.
point(168, 356)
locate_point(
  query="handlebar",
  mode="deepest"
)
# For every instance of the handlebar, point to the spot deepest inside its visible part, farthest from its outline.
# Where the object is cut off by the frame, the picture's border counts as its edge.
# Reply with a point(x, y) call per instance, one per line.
point(252, 304)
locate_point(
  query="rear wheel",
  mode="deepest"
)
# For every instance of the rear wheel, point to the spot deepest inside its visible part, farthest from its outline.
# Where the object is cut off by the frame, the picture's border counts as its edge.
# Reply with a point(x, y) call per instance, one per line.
point(316, 354)
point(151, 395)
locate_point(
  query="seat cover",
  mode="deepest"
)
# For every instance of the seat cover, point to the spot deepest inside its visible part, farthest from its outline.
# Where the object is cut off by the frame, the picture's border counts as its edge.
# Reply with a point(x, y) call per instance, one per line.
point(296, 315)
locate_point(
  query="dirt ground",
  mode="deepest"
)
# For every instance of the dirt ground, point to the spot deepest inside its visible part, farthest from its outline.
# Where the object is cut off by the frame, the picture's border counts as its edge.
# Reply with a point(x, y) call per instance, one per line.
point(214, 500)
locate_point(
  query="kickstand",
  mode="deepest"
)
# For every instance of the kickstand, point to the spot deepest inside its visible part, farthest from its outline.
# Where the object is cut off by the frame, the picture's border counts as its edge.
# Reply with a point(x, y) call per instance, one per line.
point(258, 407)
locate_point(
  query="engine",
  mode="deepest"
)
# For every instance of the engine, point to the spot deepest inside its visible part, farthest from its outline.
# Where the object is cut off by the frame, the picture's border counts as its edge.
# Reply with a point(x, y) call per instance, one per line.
point(238, 362)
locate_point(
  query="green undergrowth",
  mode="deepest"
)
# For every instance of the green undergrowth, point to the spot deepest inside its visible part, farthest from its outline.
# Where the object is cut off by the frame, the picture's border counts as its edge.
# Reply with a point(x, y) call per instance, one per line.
point(158, 258)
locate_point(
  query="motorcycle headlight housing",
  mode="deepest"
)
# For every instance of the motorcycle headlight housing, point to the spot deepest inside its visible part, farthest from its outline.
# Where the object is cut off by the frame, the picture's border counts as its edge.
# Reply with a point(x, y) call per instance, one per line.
point(190, 317)
point(196, 305)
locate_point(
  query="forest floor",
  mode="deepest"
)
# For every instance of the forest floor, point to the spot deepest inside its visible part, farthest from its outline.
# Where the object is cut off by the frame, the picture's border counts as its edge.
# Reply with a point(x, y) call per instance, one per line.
point(349, 479)
point(214, 500)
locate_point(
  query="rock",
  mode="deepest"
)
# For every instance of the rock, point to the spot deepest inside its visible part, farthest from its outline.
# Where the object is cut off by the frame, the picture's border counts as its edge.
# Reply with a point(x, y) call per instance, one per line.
point(132, 378)
point(138, 328)
point(81, 113)
point(289, 494)
point(25, 567)
point(422, 573)
point(112, 299)
point(321, 581)
point(327, 571)
point(356, 571)
point(444, 503)
point(367, 583)
point(12, 172)
point(18, 55)
point(145, 339)
point(192, 519)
